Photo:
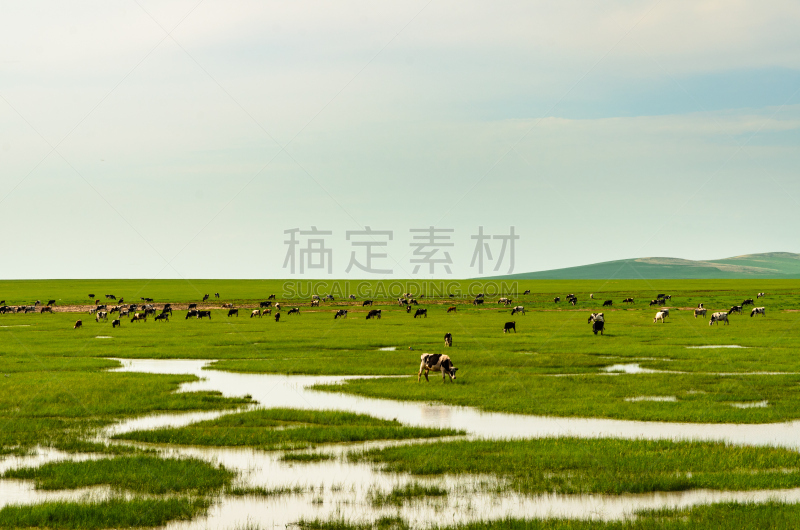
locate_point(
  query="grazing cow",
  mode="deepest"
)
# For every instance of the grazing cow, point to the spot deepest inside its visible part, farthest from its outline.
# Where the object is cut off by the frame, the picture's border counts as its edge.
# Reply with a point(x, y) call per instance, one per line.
point(557, 299)
point(477, 301)
point(205, 297)
point(233, 312)
point(448, 339)
point(735, 309)
point(329, 298)
point(452, 309)
point(662, 295)
point(718, 317)
point(759, 311)
point(628, 301)
point(759, 295)
point(420, 313)
point(527, 291)
point(413, 301)
point(271, 297)
point(277, 317)
point(255, 313)
point(265, 304)
point(517, 309)
point(78, 323)
point(573, 301)
point(660, 316)
point(508, 326)
point(402, 301)
point(191, 306)
point(408, 309)
point(667, 297)
point(37, 302)
point(365, 303)
point(315, 297)
point(699, 312)
point(655, 302)
point(504, 300)
point(665, 311)
point(111, 297)
point(164, 317)
point(138, 316)
point(294, 311)
point(149, 311)
point(147, 299)
point(749, 301)
point(598, 325)
point(352, 297)
point(314, 303)
point(121, 301)
point(436, 362)
point(595, 316)
point(266, 312)
point(51, 302)
point(91, 296)
point(374, 313)
point(191, 313)
point(167, 310)
point(47, 309)
point(277, 307)
point(116, 324)
point(608, 303)
point(101, 315)
point(216, 295)
point(100, 307)
point(204, 314)
point(123, 312)
point(340, 313)
point(114, 309)
point(571, 295)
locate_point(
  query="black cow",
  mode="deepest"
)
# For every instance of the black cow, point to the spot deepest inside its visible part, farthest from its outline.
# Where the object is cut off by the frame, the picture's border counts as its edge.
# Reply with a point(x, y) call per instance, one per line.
point(192, 306)
point(735, 309)
point(205, 298)
point(277, 317)
point(608, 303)
point(294, 311)
point(598, 325)
point(271, 297)
point(365, 303)
point(655, 302)
point(111, 297)
point(216, 295)
point(265, 304)
point(233, 312)
point(413, 301)
point(749, 301)
point(163, 317)
point(477, 301)
point(528, 291)
point(374, 313)
point(115, 324)
point(421, 313)
point(509, 326)
point(51, 302)
point(436, 362)
point(191, 313)
point(448, 339)
point(628, 301)
point(91, 295)
point(557, 299)
point(204, 314)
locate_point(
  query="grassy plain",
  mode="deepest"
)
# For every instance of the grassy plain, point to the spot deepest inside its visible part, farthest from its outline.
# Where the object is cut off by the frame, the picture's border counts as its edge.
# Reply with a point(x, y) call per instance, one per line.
point(286, 429)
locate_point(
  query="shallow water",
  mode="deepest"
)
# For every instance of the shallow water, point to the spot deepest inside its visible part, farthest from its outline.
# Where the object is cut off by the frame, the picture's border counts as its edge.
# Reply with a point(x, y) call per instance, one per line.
point(714, 346)
point(338, 488)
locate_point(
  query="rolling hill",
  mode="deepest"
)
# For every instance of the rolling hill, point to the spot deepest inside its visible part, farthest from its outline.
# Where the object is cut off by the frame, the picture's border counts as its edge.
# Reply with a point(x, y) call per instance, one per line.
point(751, 266)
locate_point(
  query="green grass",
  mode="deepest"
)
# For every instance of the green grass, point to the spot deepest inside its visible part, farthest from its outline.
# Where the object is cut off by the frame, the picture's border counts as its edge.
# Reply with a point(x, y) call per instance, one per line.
point(400, 495)
point(114, 513)
point(272, 429)
point(582, 466)
point(240, 491)
point(140, 474)
point(724, 516)
point(306, 457)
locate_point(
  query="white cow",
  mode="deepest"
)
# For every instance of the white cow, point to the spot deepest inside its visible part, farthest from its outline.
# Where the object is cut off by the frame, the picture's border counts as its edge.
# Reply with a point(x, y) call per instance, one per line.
point(760, 295)
point(255, 313)
point(518, 309)
point(436, 362)
point(759, 311)
point(718, 317)
point(659, 316)
point(596, 317)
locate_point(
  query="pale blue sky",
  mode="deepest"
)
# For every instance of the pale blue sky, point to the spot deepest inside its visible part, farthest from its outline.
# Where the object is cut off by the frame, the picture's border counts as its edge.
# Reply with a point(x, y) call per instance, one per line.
point(180, 139)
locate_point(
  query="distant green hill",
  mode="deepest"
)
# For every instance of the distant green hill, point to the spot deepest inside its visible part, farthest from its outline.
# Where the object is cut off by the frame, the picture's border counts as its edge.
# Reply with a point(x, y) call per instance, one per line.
point(753, 266)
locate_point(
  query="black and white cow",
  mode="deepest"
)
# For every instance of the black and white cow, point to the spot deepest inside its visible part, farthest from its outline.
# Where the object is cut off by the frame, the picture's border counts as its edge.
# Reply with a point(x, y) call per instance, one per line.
point(421, 313)
point(266, 303)
point(749, 301)
point(204, 314)
point(508, 326)
point(735, 309)
point(716, 318)
point(340, 313)
point(504, 300)
point(660, 316)
point(116, 323)
point(760, 295)
point(759, 311)
point(527, 291)
point(699, 312)
point(163, 317)
point(374, 313)
point(436, 362)
point(477, 301)
point(594, 317)
point(255, 313)
point(598, 326)
point(448, 339)
point(366, 303)
point(517, 309)
point(191, 313)
point(557, 299)
point(294, 311)
point(628, 301)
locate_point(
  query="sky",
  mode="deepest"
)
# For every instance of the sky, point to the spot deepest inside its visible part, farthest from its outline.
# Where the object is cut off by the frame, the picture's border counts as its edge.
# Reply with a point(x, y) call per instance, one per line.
point(192, 139)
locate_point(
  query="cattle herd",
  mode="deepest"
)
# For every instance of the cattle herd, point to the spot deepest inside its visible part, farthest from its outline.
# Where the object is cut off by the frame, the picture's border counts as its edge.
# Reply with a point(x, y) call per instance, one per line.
point(429, 362)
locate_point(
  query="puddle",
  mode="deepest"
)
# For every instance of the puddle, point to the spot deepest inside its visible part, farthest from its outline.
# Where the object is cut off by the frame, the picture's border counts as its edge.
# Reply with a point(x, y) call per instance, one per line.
point(651, 398)
point(751, 405)
point(388, 348)
point(17, 326)
point(337, 488)
point(103, 337)
point(715, 346)
point(632, 368)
